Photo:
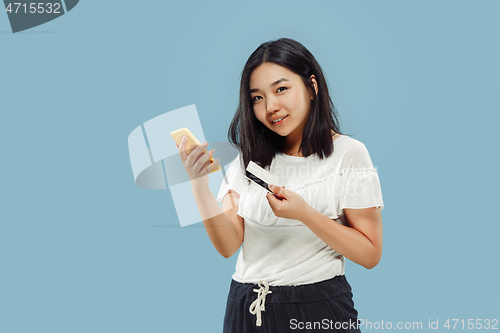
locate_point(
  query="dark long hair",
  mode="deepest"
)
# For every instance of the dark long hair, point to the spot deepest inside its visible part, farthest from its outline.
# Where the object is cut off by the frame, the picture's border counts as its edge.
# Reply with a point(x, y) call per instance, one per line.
point(258, 143)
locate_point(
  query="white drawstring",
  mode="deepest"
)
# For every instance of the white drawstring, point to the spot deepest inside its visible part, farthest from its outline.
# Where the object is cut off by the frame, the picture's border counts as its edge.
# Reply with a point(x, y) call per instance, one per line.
point(259, 304)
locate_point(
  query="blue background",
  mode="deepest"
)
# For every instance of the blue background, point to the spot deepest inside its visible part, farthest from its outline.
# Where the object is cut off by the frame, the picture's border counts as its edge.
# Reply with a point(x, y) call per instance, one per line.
point(84, 249)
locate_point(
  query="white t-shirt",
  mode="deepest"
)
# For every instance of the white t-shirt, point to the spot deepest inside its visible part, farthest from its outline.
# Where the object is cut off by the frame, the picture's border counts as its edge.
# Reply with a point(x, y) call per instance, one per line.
point(286, 252)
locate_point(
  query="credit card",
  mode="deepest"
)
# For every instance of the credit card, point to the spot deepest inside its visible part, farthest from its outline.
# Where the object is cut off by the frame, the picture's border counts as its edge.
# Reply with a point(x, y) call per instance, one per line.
point(260, 176)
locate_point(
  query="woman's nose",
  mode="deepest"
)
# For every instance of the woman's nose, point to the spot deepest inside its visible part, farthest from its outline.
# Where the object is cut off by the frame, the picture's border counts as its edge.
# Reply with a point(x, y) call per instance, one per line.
point(272, 105)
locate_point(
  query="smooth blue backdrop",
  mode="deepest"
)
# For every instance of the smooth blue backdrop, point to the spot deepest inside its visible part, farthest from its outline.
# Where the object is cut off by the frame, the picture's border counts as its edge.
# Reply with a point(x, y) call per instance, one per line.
point(83, 249)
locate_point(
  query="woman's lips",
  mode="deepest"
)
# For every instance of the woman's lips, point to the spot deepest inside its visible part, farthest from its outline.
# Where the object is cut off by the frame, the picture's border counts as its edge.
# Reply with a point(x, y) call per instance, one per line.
point(279, 122)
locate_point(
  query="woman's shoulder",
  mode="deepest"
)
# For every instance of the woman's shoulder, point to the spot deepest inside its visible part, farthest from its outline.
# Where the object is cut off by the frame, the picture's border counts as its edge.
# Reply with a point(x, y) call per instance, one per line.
point(353, 152)
point(349, 151)
point(346, 140)
point(236, 165)
point(347, 143)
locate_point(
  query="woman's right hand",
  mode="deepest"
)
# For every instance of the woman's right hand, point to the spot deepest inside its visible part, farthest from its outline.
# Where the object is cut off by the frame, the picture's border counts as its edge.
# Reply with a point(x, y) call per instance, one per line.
point(197, 163)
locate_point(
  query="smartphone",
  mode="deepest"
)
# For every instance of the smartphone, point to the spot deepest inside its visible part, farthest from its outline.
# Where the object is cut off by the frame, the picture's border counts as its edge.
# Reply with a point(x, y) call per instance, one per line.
point(191, 144)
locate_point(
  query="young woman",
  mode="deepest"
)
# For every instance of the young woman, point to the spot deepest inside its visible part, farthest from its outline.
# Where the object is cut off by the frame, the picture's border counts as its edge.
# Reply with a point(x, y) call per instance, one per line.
point(327, 206)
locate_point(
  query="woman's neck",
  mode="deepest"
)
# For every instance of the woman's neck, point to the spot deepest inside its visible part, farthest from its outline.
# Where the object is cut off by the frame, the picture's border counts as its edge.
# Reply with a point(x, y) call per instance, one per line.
point(297, 153)
point(291, 147)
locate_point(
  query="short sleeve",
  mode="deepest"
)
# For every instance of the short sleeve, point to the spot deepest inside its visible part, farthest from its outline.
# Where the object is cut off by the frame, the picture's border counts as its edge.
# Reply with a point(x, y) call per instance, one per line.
point(360, 184)
point(233, 180)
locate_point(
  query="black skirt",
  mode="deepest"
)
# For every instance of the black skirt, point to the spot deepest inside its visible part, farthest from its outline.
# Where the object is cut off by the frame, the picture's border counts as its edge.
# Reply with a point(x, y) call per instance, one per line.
point(325, 306)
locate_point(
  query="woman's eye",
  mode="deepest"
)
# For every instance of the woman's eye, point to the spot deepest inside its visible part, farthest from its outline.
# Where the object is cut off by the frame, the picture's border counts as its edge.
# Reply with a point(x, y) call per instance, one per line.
point(256, 98)
point(281, 89)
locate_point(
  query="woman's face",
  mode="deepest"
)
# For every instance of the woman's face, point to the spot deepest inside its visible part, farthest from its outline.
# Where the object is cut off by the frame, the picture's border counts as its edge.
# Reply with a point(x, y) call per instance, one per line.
point(280, 99)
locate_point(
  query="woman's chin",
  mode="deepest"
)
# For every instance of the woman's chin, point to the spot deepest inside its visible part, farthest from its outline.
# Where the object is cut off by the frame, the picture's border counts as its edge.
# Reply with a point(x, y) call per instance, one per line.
point(281, 133)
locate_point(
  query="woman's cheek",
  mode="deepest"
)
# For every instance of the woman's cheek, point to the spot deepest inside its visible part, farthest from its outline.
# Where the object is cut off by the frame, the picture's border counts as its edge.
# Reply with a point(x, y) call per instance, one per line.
point(260, 114)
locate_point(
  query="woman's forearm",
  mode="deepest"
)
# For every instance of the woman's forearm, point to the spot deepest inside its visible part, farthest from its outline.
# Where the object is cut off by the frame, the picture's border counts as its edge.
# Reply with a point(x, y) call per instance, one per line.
point(220, 229)
point(347, 241)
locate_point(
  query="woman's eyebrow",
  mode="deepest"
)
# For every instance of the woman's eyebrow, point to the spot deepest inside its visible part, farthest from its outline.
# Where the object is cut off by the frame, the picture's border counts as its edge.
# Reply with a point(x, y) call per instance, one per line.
point(271, 85)
point(278, 81)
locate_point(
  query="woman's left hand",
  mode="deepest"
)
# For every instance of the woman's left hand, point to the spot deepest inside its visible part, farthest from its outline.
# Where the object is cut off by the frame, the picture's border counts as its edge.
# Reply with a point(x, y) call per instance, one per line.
point(287, 204)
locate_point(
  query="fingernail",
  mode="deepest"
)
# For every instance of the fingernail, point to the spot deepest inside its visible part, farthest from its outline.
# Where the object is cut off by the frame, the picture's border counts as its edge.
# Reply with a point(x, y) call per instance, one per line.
point(205, 143)
point(270, 186)
point(184, 138)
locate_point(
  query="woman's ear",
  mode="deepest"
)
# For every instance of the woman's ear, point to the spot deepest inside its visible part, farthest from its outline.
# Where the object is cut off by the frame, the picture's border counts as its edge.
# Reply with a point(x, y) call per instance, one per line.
point(315, 85)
